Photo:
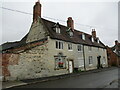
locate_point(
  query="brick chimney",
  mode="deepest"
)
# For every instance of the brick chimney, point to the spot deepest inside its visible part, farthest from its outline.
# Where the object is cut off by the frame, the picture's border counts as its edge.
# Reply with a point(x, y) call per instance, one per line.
point(93, 33)
point(116, 42)
point(70, 23)
point(36, 11)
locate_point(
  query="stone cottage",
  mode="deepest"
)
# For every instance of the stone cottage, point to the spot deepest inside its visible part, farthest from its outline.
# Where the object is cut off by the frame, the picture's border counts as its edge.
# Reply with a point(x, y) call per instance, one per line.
point(50, 49)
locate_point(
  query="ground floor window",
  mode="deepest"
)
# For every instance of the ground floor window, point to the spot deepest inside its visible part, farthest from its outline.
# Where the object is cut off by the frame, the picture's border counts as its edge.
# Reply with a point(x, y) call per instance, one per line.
point(90, 60)
point(81, 62)
point(104, 60)
point(60, 62)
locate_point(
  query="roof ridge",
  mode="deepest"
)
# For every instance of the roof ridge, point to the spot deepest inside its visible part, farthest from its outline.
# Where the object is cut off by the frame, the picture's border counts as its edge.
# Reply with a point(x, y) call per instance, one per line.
point(65, 26)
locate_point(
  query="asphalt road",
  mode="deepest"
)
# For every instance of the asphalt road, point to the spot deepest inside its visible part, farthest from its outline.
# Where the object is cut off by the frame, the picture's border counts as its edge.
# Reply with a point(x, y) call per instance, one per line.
point(104, 79)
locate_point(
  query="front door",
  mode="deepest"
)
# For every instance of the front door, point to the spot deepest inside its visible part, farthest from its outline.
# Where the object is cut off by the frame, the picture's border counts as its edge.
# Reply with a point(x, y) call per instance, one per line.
point(98, 58)
point(70, 66)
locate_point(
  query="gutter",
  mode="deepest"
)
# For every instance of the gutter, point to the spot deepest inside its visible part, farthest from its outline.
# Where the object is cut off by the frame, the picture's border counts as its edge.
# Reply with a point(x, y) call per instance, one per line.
point(84, 58)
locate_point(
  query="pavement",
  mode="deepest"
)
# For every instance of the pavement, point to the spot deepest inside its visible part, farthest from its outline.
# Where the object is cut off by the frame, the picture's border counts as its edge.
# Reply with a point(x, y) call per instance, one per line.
point(10, 84)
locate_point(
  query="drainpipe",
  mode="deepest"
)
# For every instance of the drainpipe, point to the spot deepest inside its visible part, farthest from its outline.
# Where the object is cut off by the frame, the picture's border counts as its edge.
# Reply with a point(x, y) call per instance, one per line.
point(84, 57)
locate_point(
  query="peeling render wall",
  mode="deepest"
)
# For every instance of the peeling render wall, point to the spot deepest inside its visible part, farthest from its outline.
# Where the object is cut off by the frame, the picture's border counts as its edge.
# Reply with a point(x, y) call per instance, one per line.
point(1, 71)
point(32, 64)
point(8, 59)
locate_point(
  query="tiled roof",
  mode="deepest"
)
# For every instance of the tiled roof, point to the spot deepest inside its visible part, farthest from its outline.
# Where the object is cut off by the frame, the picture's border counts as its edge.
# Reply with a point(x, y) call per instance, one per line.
point(62, 36)
point(10, 45)
point(117, 48)
point(65, 37)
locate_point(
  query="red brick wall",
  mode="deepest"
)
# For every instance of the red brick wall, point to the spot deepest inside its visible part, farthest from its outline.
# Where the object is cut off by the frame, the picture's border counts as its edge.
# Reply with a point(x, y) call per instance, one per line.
point(8, 59)
point(112, 58)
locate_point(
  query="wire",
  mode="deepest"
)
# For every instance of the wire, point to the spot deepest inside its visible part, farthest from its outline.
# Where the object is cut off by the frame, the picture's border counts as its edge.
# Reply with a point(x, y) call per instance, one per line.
point(88, 26)
point(43, 16)
point(16, 10)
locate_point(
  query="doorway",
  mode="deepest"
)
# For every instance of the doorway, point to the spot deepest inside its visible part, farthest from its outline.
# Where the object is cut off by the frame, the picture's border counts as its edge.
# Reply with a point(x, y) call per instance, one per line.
point(99, 63)
point(70, 66)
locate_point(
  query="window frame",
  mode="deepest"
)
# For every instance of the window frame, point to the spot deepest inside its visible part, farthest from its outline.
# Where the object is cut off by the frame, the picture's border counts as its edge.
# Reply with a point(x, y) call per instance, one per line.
point(59, 45)
point(57, 29)
point(92, 39)
point(83, 36)
point(104, 60)
point(81, 60)
point(90, 58)
point(70, 47)
point(89, 48)
point(79, 48)
point(60, 59)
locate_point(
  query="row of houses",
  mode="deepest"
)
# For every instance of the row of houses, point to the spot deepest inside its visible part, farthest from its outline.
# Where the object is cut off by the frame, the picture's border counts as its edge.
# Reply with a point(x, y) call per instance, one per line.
point(51, 49)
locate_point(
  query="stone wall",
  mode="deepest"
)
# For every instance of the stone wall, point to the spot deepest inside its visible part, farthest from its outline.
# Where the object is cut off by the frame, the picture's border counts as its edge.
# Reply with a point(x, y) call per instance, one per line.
point(8, 59)
point(74, 54)
point(95, 52)
point(32, 64)
point(37, 31)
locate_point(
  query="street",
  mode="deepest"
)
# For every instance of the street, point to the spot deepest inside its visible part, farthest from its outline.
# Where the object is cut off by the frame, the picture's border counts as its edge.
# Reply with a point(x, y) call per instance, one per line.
point(103, 79)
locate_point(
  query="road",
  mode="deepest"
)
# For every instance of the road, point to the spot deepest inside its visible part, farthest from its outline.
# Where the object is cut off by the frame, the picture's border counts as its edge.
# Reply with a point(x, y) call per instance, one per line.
point(103, 79)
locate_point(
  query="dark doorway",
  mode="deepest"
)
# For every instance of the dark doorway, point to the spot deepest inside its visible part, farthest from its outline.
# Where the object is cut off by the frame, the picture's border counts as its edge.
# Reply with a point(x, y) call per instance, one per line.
point(99, 65)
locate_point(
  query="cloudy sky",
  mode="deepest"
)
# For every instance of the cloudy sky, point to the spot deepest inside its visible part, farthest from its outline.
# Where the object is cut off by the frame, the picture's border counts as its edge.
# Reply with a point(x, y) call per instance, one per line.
point(99, 14)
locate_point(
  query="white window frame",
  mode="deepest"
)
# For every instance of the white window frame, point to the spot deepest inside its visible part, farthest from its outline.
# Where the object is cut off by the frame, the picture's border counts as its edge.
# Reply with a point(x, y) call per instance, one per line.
point(71, 33)
point(81, 62)
point(98, 48)
point(92, 39)
point(90, 58)
point(104, 60)
point(57, 30)
point(59, 44)
point(79, 48)
point(83, 36)
point(98, 41)
point(57, 60)
point(70, 47)
point(89, 48)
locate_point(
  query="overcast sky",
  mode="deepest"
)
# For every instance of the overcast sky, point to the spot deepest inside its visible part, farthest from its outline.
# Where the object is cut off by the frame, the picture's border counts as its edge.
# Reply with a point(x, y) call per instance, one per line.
point(99, 14)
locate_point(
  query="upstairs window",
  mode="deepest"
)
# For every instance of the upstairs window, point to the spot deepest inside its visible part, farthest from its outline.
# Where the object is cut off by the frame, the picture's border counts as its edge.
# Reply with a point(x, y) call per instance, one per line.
point(70, 32)
point(98, 41)
point(69, 46)
point(92, 39)
point(59, 45)
point(80, 48)
point(57, 30)
point(89, 48)
point(83, 36)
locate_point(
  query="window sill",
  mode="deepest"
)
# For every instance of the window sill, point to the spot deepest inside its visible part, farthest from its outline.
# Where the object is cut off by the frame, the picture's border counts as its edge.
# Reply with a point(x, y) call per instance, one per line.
point(89, 51)
point(59, 49)
point(81, 66)
point(80, 51)
point(90, 64)
point(70, 50)
point(59, 68)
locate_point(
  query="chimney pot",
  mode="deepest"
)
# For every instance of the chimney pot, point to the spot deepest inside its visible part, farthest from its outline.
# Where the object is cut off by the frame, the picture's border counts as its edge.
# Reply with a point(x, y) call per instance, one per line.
point(36, 11)
point(70, 23)
point(94, 33)
point(116, 42)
